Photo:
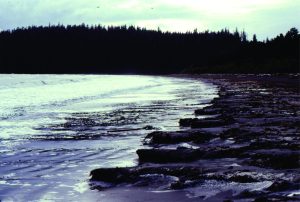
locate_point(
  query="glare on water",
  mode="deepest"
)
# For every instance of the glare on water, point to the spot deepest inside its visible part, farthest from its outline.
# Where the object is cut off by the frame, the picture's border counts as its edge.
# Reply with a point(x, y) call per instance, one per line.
point(54, 129)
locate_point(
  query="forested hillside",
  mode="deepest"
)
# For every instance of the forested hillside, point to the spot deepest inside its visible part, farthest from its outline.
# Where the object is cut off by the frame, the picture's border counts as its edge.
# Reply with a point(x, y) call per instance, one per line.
point(133, 50)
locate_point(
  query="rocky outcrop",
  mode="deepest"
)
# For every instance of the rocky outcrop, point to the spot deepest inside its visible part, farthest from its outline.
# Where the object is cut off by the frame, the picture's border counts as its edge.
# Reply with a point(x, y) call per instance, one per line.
point(250, 134)
point(159, 137)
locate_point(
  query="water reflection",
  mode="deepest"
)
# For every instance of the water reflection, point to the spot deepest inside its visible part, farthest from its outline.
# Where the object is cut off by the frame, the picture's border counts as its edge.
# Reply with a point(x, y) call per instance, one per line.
point(60, 129)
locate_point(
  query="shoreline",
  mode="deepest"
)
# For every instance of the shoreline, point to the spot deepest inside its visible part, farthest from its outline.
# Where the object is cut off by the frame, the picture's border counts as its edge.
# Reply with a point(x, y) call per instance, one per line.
point(250, 137)
point(88, 122)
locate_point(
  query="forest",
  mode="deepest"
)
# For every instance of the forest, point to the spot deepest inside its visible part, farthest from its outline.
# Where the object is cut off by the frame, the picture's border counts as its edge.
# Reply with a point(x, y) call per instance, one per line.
point(134, 50)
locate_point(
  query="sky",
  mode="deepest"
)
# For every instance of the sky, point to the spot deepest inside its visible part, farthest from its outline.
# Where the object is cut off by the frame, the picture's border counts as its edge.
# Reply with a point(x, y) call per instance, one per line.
point(266, 18)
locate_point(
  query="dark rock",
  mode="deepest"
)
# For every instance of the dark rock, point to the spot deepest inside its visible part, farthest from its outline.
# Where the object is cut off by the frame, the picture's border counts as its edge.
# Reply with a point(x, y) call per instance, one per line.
point(281, 186)
point(249, 194)
point(243, 178)
point(178, 185)
point(169, 155)
point(207, 123)
point(159, 137)
point(208, 111)
point(212, 122)
point(220, 152)
point(113, 175)
point(220, 120)
point(276, 160)
point(142, 176)
point(275, 144)
point(272, 198)
point(261, 199)
point(186, 122)
point(170, 137)
point(187, 155)
point(233, 133)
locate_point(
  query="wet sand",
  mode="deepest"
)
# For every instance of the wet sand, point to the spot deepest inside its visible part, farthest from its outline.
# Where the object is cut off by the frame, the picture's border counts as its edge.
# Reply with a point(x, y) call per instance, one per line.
point(63, 126)
point(244, 146)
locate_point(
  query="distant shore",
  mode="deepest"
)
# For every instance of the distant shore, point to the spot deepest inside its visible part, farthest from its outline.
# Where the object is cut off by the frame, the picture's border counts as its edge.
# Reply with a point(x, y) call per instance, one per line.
point(245, 145)
point(81, 49)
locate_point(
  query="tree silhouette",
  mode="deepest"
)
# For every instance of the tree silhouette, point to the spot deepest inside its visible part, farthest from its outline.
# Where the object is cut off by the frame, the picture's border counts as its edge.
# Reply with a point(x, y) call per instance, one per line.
point(254, 38)
point(292, 34)
point(129, 49)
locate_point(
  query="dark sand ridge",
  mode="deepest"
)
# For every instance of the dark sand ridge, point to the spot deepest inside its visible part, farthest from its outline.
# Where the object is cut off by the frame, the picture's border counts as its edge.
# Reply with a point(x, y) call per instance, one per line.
point(250, 137)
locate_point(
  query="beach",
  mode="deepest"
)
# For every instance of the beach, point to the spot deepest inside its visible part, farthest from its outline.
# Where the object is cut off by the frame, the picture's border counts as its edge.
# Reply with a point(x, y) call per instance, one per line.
point(242, 147)
point(55, 129)
point(150, 138)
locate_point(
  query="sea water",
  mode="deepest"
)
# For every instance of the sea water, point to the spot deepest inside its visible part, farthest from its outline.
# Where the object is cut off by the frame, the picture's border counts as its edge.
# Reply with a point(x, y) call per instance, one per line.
point(55, 129)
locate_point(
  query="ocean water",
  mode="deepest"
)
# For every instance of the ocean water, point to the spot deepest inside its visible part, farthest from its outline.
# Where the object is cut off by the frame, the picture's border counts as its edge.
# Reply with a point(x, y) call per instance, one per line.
point(55, 129)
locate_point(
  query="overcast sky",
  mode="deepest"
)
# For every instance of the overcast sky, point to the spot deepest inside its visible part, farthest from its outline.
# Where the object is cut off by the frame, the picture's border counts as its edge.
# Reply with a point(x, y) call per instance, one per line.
point(267, 18)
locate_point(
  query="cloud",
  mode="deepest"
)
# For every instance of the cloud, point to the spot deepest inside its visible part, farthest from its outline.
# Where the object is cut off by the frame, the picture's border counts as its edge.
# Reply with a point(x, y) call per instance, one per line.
point(262, 16)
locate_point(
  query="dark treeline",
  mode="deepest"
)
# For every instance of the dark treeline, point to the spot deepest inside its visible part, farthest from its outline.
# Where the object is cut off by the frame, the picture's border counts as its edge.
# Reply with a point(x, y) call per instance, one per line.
point(98, 49)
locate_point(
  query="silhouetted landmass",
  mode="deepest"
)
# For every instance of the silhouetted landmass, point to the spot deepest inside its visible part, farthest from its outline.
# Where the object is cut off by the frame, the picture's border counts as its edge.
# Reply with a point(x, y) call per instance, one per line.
point(98, 49)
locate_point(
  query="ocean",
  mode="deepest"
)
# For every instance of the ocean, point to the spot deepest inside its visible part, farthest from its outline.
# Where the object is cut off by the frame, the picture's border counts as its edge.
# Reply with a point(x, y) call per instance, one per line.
point(55, 129)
